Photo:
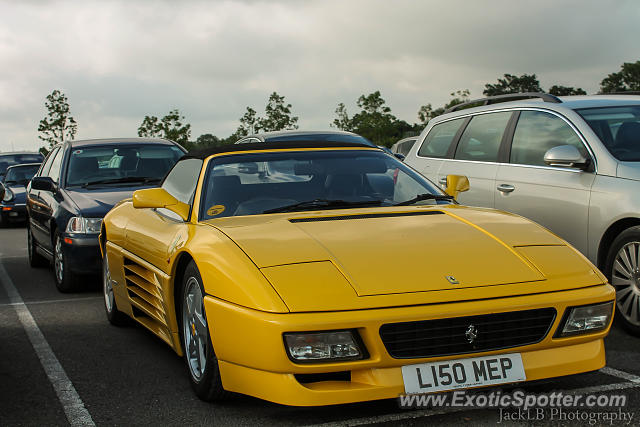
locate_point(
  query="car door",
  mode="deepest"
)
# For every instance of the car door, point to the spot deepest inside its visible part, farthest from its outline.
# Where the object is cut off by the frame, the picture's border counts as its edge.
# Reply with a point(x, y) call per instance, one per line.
point(435, 147)
point(154, 234)
point(41, 202)
point(555, 197)
point(477, 154)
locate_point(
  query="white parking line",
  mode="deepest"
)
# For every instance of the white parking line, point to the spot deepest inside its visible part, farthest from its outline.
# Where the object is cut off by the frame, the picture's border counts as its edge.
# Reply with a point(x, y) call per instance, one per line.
point(410, 414)
point(74, 409)
point(49, 301)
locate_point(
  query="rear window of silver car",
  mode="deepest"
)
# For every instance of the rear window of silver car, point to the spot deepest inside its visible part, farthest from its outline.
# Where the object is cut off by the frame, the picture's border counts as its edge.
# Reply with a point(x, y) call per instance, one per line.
point(618, 128)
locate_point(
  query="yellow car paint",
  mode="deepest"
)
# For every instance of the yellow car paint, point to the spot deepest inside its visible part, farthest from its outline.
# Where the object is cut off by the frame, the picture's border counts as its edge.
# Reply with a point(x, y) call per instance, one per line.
point(264, 275)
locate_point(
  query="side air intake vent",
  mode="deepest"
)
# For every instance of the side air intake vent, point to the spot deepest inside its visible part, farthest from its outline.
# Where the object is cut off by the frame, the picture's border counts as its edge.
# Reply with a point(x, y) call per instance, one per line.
point(364, 216)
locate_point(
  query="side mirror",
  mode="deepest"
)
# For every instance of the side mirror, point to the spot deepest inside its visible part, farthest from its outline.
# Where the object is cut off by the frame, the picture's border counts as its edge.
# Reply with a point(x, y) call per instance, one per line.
point(399, 156)
point(43, 183)
point(566, 156)
point(158, 198)
point(456, 184)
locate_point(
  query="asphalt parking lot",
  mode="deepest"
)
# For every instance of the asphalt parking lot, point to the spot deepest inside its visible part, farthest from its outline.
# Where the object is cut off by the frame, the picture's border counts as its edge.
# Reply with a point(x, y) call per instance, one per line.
point(62, 363)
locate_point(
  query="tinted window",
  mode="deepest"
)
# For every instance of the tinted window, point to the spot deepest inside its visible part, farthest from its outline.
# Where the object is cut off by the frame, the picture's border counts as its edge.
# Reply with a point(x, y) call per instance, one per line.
point(618, 129)
point(249, 184)
point(537, 132)
point(182, 180)
point(437, 142)
point(20, 174)
point(54, 172)
point(121, 163)
point(47, 163)
point(481, 139)
point(331, 137)
point(7, 160)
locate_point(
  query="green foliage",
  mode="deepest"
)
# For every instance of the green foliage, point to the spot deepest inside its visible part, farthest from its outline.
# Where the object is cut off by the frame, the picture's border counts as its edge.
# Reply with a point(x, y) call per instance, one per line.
point(513, 84)
point(248, 123)
point(277, 115)
point(566, 90)
point(58, 125)
point(169, 127)
point(208, 140)
point(426, 112)
point(627, 79)
point(342, 120)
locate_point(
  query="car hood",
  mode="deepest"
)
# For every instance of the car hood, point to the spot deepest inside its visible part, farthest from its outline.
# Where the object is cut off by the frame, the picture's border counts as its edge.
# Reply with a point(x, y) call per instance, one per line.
point(95, 203)
point(391, 251)
point(629, 170)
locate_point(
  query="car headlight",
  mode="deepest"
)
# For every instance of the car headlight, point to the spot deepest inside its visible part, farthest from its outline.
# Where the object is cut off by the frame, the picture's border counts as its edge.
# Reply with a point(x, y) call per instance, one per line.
point(8, 195)
point(323, 346)
point(81, 225)
point(586, 319)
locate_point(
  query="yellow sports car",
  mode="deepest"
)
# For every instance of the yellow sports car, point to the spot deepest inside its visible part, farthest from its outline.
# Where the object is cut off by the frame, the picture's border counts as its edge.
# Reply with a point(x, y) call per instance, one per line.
point(315, 273)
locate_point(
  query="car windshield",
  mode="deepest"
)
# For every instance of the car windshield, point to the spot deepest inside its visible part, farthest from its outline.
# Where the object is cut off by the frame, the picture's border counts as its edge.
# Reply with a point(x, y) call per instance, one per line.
point(618, 129)
point(7, 160)
point(118, 164)
point(250, 184)
point(20, 174)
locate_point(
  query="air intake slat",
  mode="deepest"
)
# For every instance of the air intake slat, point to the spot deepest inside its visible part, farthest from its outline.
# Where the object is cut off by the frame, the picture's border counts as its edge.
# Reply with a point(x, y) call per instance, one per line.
point(148, 309)
point(140, 271)
point(148, 287)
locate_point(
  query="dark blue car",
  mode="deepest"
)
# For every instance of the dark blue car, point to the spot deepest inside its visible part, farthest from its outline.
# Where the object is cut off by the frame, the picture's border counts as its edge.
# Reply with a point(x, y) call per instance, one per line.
point(13, 201)
point(79, 182)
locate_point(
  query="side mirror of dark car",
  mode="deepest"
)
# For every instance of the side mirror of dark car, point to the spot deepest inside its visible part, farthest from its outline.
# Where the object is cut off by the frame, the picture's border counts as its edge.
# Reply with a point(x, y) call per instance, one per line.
point(566, 156)
point(43, 183)
point(400, 156)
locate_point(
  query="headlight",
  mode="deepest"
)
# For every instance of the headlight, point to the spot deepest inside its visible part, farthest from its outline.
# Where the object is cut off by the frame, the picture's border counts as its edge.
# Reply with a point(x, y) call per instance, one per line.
point(323, 346)
point(8, 195)
point(78, 224)
point(586, 319)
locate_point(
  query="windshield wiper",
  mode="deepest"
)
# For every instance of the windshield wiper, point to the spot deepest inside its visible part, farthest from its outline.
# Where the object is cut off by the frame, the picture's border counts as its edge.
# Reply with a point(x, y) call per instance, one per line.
point(324, 204)
point(128, 179)
point(425, 196)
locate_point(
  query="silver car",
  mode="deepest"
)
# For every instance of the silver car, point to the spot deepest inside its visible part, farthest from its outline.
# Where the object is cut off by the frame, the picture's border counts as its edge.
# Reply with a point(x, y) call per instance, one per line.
point(570, 163)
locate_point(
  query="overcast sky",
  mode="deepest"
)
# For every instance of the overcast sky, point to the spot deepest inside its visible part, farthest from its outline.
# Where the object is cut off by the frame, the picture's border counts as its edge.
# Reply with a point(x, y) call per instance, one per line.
point(118, 61)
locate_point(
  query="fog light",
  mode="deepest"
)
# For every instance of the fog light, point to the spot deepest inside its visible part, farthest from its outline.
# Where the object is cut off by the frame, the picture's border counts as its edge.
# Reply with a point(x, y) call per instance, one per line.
point(586, 319)
point(322, 346)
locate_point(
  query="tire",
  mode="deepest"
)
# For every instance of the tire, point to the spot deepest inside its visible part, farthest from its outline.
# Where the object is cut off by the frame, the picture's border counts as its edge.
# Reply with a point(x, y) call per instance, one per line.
point(64, 278)
point(115, 316)
point(35, 259)
point(623, 271)
point(196, 341)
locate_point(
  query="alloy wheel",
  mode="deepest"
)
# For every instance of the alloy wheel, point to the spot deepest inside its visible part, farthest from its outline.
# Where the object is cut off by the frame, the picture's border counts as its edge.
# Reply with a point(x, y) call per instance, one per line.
point(106, 285)
point(59, 260)
point(195, 331)
point(625, 276)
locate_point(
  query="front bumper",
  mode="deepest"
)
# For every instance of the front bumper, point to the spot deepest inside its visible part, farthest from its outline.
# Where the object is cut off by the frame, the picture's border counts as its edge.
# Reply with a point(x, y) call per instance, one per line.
point(253, 360)
point(82, 253)
point(13, 212)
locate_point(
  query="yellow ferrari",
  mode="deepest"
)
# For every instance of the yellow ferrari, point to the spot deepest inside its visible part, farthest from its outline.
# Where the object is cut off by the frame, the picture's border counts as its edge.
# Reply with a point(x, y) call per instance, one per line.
point(316, 273)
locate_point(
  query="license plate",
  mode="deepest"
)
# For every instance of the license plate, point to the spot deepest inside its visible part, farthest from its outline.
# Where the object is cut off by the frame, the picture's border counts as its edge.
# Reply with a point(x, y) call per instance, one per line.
point(463, 373)
point(13, 213)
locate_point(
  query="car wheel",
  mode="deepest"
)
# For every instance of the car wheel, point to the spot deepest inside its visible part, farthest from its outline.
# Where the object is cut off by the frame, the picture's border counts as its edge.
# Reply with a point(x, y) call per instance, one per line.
point(199, 356)
point(623, 271)
point(35, 259)
point(65, 280)
point(115, 316)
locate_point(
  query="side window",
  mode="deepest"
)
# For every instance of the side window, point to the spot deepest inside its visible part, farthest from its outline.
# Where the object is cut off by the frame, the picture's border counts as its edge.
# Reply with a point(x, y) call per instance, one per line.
point(182, 180)
point(481, 139)
point(537, 132)
point(47, 164)
point(54, 171)
point(437, 142)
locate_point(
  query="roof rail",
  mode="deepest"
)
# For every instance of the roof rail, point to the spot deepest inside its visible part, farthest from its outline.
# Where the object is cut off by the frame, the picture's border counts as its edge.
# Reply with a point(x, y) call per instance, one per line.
point(546, 97)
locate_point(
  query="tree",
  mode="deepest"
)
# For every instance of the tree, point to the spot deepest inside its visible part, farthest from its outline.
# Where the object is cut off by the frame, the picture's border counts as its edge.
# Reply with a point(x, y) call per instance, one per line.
point(566, 90)
point(208, 140)
point(277, 115)
point(426, 112)
point(58, 125)
point(513, 84)
point(248, 123)
point(627, 79)
point(342, 121)
point(170, 127)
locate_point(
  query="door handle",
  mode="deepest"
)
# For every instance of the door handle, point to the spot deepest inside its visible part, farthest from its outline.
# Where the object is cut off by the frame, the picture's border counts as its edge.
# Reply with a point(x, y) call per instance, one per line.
point(443, 181)
point(506, 188)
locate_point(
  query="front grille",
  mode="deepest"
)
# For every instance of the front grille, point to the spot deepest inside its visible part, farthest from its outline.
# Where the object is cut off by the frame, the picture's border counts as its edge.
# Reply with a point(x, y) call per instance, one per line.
point(443, 337)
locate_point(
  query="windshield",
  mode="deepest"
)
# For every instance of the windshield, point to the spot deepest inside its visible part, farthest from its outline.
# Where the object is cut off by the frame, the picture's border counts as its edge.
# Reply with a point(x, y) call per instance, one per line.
point(118, 164)
point(7, 160)
point(250, 184)
point(21, 174)
point(618, 128)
